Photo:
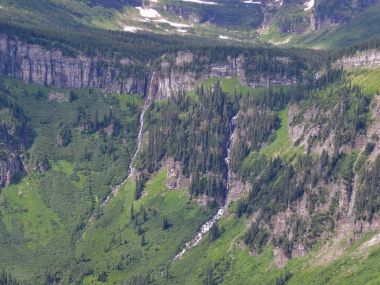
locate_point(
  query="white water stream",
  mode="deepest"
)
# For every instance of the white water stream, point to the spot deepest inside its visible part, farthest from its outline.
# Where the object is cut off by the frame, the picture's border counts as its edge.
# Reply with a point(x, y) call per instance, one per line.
point(208, 225)
point(131, 169)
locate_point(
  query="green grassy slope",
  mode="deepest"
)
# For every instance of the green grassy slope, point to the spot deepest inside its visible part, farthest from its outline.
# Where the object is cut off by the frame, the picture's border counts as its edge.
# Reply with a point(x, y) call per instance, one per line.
point(114, 244)
point(43, 217)
point(43, 213)
point(362, 27)
point(231, 263)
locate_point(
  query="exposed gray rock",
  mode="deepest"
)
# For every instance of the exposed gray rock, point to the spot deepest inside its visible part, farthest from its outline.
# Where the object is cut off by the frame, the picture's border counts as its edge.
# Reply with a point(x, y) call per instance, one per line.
point(33, 63)
point(363, 59)
point(10, 166)
point(175, 179)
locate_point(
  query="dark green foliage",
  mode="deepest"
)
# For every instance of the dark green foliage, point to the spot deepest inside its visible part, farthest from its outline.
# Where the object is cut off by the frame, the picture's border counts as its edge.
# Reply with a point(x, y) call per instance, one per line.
point(193, 132)
point(64, 135)
point(7, 279)
point(347, 119)
point(214, 272)
point(139, 187)
point(132, 212)
point(142, 279)
point(284, 278)
point(14, 130)
point(367, 202)
point(102, 277)
point(143, 242)
point(292, 19)
point(340, 10)
point(70, 181)
point(56, 27)
point(241, 207)
point(277, 183)
point(369, 148)
point(15, 134)
point(165, 223)
point(214, 232)
point(209, 276)
point(230, 14)
point(256, 237)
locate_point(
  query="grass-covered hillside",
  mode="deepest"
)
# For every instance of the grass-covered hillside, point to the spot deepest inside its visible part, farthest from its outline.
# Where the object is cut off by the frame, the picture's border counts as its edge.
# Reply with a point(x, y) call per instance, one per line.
point(81, 144)
point(238, 162)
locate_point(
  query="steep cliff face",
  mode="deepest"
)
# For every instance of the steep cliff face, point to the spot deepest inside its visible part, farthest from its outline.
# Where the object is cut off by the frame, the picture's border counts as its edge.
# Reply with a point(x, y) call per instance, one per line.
point(327, 209)
point(10, 167)
point(12, 140)
point(364, 59)
point(32, 63)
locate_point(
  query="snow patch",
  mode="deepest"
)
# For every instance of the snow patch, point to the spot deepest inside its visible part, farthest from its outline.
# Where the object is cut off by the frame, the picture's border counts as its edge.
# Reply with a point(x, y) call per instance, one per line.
point(201, 2)
point(173, 24)
point(151, 14)
point(148, 13)
point(224, 37)
point(281, 3)
point(181, 31)
point(252, 2)
point(131, 29)
point(309, 5)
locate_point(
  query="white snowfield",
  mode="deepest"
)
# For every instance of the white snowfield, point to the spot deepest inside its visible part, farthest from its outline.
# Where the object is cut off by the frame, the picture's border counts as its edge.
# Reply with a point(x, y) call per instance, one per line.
point(201, 2)
point(309, 5)
point(281, 3)
point(252, 2)
point(181, 31)
point(131, 29)
point(148, 13)
point(224, 37)
point(153, 15)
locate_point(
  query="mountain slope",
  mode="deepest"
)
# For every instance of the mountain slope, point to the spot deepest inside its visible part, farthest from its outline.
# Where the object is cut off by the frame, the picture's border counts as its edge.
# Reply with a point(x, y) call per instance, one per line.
point(319, 24)
point(152, 158)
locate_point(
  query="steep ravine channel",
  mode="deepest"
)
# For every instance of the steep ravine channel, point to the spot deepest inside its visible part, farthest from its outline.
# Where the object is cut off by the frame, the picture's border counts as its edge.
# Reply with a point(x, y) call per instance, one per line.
point(131, 169)
point(205, 228)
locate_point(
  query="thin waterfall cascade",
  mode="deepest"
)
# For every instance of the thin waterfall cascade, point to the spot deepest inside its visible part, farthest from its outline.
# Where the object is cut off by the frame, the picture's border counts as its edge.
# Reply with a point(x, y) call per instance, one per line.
point(131, 169)
point(205, 228)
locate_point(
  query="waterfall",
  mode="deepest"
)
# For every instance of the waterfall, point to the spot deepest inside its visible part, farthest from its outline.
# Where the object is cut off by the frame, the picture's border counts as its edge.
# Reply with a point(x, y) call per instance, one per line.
point(208, 225)
point(131, 169)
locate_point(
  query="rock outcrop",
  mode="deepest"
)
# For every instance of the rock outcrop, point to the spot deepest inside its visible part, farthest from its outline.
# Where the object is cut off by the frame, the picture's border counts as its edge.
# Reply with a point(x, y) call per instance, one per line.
point(173, 74)
point(32, 63)
point(363, 59)
point(175, 179)
point(10, 167)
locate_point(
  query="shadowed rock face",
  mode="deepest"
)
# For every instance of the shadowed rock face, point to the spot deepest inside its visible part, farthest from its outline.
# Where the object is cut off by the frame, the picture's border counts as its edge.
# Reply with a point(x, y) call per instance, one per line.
point(10, 167)
point(12, 145)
